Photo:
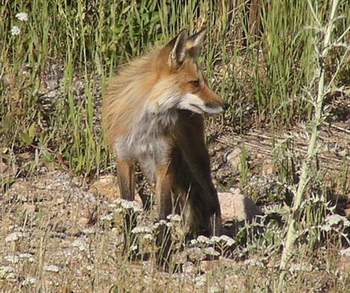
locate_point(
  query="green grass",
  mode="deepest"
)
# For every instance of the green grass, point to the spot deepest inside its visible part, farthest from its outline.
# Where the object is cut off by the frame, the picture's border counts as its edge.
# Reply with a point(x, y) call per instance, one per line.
point(90, 39)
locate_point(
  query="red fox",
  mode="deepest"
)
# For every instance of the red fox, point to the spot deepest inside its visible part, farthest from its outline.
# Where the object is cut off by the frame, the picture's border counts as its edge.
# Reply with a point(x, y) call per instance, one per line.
point(153, 114)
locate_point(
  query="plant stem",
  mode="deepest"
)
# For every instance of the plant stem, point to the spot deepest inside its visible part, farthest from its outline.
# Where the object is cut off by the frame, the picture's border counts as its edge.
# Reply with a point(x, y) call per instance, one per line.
point(311, 152)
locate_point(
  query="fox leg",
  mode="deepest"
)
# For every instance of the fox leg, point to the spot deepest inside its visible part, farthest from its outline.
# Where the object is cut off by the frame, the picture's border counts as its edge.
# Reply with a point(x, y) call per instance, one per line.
point(126, 179)
point(164, 185)
point(126, 182)
point(204, 199)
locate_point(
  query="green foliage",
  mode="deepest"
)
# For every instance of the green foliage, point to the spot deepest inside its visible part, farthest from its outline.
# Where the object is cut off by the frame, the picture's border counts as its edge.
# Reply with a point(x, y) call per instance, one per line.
point(261, 73)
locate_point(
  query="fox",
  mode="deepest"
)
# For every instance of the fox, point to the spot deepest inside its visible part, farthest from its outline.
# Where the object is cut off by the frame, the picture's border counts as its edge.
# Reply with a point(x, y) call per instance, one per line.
point(153, 114)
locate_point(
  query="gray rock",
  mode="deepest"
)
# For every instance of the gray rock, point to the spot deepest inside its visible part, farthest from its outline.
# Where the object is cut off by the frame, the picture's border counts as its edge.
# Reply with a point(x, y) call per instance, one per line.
point(237, 207)
point(234, 159)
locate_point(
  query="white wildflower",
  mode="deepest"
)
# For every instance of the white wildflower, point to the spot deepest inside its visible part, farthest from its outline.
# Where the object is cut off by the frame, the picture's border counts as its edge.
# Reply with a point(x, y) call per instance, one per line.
point(141, 229)
point(29, 281)
point(27, 256)
point(107, 218)
point(147, 244)
point(7, 272)
point(174, 218)
point(12, 258)
point(215, 239)
point(203, 239)
point(214, 289)
point(133, 247)
point(334, 219)
point(188, 267)
point(162, 222)
point(200, 281)
point(193, 242)
point(229, 241)
point(130, 205)
point(211, 251)
point(112, 206)
point(15, 30)
point(148, 237)
point(52, 268)
point(159, 223)
point(155, 226)
point(195, 254)
point(22, 16)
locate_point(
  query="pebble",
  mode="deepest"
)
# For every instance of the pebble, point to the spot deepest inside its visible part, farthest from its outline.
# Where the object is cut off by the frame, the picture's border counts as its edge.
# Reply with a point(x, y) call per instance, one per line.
point(14, 236)
point(81, 244)
point(52, 268)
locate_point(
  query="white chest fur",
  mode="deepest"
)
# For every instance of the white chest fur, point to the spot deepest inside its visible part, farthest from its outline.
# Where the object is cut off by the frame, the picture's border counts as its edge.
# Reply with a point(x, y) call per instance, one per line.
point(147, 142)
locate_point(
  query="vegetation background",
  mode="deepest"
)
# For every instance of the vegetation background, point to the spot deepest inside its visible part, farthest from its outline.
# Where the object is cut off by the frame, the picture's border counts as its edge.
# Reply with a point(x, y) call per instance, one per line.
point(259, 56)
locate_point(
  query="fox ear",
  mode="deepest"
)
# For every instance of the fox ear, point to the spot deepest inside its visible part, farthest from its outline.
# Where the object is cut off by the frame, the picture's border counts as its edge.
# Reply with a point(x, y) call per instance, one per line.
point(178, 52)
point(194, 43)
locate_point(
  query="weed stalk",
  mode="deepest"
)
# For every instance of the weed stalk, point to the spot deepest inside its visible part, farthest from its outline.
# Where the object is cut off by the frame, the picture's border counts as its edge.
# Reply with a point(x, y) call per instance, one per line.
point(292, 233)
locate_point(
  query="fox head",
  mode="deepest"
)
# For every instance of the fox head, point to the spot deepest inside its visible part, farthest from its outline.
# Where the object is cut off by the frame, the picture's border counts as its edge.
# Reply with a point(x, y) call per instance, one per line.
point(180, 77)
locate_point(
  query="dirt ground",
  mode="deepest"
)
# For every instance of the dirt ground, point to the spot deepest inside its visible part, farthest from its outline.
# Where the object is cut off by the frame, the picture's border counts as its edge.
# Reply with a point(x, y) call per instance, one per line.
point(58, 233)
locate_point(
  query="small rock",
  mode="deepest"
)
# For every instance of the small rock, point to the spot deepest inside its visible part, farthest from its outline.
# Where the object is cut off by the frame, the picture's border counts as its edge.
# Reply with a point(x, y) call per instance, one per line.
point(3, 167)
point(234, 159)
point(347, 209)
point(236, 206)
point(6, 170)
point(81, 244)
point(345, 252)
point(14, 236)
point(268, 168)
point(52, 268)
point(106, 186)
point(83, 221)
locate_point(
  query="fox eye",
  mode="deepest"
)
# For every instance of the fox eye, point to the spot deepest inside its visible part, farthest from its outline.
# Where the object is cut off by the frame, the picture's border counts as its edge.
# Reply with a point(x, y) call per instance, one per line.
point(194, 83)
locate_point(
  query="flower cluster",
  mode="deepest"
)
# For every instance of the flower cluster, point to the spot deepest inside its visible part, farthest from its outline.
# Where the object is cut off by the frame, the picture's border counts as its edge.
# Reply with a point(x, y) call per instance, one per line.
point(215, 246)
point(21, 16)
point(204, 241)
point(129, 205)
